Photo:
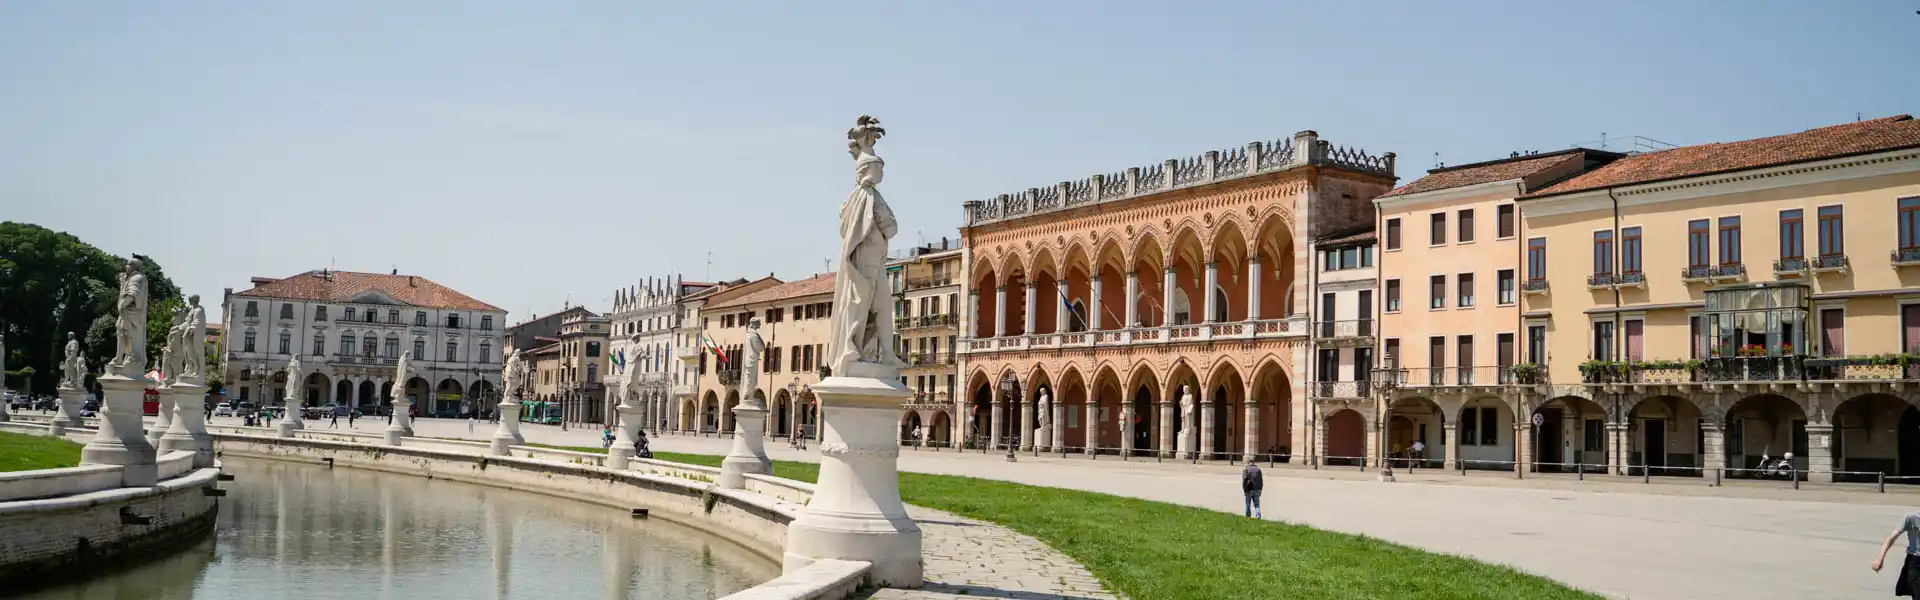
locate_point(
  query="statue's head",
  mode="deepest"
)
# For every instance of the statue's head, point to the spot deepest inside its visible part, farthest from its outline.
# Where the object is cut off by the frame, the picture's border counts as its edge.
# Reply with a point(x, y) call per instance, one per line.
point(753, 324)
point(133, 265)
point(193, 300)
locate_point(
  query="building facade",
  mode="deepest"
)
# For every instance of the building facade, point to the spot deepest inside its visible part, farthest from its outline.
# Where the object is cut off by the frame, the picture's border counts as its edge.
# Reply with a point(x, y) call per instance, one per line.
point(1345, 291)
point(796, 321)
point(1709, 305)
point(348, 330)
point(581, 386)
point(693, 352)
point(646, 321)
point(1195, 334)
point(1451, 283)
point(926, 311)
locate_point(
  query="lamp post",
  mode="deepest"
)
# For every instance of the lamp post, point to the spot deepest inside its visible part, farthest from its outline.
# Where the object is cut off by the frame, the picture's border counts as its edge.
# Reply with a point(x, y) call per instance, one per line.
point(793, 408)
point(1389, 381)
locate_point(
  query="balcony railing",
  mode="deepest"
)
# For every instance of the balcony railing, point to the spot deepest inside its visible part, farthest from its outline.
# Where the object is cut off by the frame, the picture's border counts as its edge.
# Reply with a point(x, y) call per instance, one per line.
point(930, 359)
point(682, 390)
point(947, 320)
point(916, 283)
point(1906, 257)
point(1696, 273)
point(1790, 267)
point(1534, 286)
point(1730, 271)
point(1823, 264)
point(1720, 369)
point(1237, 330)
point(1599, 281)
point(1631, 280)
point(1344, 329)
point(1415, 377)
point(728, 377)
point(1341, 389)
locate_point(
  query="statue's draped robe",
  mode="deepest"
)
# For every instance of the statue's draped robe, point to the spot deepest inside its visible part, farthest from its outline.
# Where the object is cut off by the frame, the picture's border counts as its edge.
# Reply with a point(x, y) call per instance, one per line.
point(861, 324)
point(755, 349)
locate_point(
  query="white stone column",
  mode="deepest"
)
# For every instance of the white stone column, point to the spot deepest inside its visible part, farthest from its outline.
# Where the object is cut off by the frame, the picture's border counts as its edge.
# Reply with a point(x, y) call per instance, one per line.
point(163, 418)
point(1059, 425)
point(1093, 425)
point(1167, 286)
point(1251, 450)
point(1523, 446)
point(508, 434)
point(296, 399)
point(1062, 318)
point(1126, 427)
point(1451, 430)
point(1213, 279)
point(188, 431)
point(1133, 300)
point(1026, 316)
point(1166, 424)
point(749, 454)
point(1093, 305)
point(120, 440)
point(1253, 287)
point(1820, 452)
point(1714, 456)
point(973, 314)
point(855, 513)
point(632, 418)
point(1619, 444)
point(1000, 311)
point(1208, 403)
point(1026, 422)
point(995, 414)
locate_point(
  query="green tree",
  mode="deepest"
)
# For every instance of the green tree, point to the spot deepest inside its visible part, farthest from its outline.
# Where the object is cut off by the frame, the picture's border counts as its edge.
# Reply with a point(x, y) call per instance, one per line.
point(52, 283)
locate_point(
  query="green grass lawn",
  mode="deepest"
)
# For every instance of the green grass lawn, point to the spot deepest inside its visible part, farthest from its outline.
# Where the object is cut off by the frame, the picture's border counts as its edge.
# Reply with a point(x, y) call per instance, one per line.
point(1151, 550)
point(21, 452)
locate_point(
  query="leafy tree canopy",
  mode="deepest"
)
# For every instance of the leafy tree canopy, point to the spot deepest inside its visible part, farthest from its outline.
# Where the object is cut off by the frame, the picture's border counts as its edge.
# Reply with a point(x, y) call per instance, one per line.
point(52, 283)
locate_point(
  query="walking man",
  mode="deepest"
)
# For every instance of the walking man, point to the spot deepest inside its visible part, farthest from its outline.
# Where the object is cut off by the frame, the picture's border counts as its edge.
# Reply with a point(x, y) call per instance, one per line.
point(1251, 483)
point(1909, 582)
point(351, 415)
point(335, 421)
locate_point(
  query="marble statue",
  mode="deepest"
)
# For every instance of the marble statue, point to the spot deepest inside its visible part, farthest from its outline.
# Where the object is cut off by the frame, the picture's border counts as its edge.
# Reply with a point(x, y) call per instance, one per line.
point(73, 369)
point(175, 349)
point(296, 385)
point(863, 323)
point(1185, 444)
point(1045, 419)
point(752, 351)
point(510, 373)
point(400, 370)
point(193, 339)
point(130, 343)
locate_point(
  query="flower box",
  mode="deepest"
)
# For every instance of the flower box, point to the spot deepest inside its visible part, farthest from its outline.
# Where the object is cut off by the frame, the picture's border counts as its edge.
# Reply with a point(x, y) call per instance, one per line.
point(1666, 376)
point(1870, 372)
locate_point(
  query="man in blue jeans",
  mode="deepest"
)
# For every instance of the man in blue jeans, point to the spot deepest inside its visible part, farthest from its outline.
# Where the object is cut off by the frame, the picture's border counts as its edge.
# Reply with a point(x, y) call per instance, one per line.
point(1251, 484)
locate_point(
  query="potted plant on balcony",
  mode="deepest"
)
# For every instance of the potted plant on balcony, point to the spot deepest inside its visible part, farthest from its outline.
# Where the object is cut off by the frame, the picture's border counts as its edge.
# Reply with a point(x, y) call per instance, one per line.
point(1602, 371)
point(1879, 366)
point(1526, 373)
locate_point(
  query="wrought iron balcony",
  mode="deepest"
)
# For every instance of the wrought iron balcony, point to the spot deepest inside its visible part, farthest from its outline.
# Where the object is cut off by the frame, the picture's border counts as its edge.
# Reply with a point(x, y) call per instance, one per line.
point(1341, 389)
point(1790, 267)
point(1906, 257)
point(1534, 286)
point(1634, 279)
point(1354, 328)
point(1834, 263)
point(924, 321)
point(1726, 272)
point(728, 377)
point(1696, 273)
point(1599, 281)
point(916, 283)
point(1420, 377)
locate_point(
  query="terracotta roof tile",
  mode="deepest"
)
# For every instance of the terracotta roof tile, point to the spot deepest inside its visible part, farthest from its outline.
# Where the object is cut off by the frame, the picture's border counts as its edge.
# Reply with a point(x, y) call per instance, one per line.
point(1877, 135)
point(1363, 235)
point(1487, 172)
point(344, 285)
point(811, 286)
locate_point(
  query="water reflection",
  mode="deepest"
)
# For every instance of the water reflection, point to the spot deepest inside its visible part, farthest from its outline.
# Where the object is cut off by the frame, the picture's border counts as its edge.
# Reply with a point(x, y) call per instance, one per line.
point(305, 531)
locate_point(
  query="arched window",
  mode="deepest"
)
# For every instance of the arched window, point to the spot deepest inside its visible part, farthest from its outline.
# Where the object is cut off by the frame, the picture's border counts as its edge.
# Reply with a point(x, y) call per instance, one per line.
point(1219, 304)
point(368, 345)
point(1076, 322)
point(1182, 308)
point(346, 344)
point(420, 348)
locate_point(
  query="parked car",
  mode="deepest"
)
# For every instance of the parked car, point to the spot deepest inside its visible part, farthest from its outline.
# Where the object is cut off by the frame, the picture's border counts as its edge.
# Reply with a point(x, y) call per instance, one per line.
point(223, 409)
point(447, 413)
point(316, 412)
point(244, 408)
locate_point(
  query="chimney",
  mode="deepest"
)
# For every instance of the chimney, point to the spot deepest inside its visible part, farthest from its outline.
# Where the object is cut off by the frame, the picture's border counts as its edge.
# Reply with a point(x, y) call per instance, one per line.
point(396, 270)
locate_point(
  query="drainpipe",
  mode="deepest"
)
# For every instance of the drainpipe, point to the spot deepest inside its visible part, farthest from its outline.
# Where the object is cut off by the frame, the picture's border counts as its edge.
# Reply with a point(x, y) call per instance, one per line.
point(1619, 332)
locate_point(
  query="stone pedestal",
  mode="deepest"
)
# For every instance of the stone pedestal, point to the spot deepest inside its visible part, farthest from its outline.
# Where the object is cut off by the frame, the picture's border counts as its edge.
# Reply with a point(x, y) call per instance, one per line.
point(72, 401)
point(749, 454)
point(1714, 456)
point(402, 421)
point(1166, 429)
point(189, 428)
point(508, 434)
point(1207, 433)
point(1451, 430)
point(292, 421)
point(163, 418)
point(1820, 453)
point(120, 440)
point(623, 436)
point(856, 513)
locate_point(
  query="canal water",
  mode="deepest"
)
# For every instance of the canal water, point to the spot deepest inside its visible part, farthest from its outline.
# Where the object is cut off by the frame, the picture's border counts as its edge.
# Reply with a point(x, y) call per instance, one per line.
point(305, 531)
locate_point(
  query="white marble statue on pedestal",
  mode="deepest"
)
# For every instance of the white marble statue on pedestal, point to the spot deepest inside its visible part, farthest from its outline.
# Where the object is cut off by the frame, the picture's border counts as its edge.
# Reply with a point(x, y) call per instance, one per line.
point(1185, 443)
point(3, 375)
point(72, 391)
point(402, 406)
point(187, 386)
point(73, 369)
point(120, 440)
point(631, 421)
point(855, 513)
point(749, 454)
point(170, 355)
point(1044, 433)
point(513, 375)
point(295, 399)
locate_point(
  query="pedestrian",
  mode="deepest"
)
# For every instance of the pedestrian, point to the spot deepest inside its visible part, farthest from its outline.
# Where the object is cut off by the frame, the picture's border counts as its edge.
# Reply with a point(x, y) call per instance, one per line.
point(1909, 582)
point(606, 438)
point(470, 425)
point(1419, 450)
point(351, 415)
point(335, 421)
point(1250, 484)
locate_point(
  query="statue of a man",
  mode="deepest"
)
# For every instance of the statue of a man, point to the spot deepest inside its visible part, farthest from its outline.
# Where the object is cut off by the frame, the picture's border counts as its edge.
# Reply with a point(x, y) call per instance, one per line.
point(750, 355)
point(130, 347)
point(193, 340)
point(296, 384)
point(400, 370)
point(1186, 419)
point(73, 369)
point(172, 354)
point(1046, 410)
point(863, 329)
point(509, 372)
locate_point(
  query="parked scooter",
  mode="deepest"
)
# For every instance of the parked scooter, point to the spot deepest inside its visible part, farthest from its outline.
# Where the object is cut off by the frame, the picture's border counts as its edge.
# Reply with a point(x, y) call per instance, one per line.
point(1780, 468)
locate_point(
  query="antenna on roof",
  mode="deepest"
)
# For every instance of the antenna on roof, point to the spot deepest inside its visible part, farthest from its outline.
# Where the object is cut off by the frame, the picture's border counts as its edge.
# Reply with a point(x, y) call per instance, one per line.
point(1436, 160)
point(709, 264)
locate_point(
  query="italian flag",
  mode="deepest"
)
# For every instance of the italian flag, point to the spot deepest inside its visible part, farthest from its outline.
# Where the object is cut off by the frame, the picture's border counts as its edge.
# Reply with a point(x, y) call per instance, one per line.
point(715, 349)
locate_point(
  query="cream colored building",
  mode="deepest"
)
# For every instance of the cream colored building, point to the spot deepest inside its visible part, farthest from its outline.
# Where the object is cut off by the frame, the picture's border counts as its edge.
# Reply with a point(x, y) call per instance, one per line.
point(795, 320)
point(1708, 305)
point(927, 321)
point(695, 360)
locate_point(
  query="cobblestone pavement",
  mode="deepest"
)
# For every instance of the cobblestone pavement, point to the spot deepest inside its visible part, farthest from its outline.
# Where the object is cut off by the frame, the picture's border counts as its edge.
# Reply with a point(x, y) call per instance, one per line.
point(966, 558)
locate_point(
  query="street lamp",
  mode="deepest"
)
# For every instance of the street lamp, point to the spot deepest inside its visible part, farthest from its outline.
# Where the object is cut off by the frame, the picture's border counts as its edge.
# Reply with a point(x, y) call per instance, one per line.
point(793, 408)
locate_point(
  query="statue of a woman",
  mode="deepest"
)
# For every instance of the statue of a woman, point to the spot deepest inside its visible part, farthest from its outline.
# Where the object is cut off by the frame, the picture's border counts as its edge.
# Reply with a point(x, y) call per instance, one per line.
point(130, 344)
point(863, 329)
point(73, 370)
point(296, 383)
point(751, 353)
point(509, 372)
point(193, 339)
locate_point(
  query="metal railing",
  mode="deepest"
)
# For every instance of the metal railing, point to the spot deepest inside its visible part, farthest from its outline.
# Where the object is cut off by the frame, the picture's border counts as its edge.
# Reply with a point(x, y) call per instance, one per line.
point(916, 283)
point(1533, 285)
point(1600, 280)
point(1413, 377)
point(1341, 389)
point(1344, 329)
point(1906, 256)
point(1696, 273)
point(1795, 264)
point(1829, 263)
point(1730, 271)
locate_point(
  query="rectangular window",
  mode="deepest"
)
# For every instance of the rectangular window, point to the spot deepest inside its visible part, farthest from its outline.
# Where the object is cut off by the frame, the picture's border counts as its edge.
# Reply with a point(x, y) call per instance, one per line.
point(1698, 243)
point(1437, 291)
point(1594, 436)
point(1729, 240)
point(1833, 332)
point(393, 349)
point(1393, 234)
point(1635, 331)
point(286, 343)
point(1505, 214)
point(1466, 226)
point(1504, 282)
point(1436, 360)
point(1465, 286)
point(349, 313)
point(249, 343)
point(420, 349)
point(1393, 295)
point(1630, 250)
point(1603, 252)
point(420, 318)
point(1350, 257)
point(1603, 340)
point(1439, 229)
point(486, 323)
point(346, 345)
point(1536, 259)
point(393, 316)
point(253, 309)
point(1489, 426)
point(1463, 356)
point(1792, 234)
point(1503, 349)
point(1910, 223)
point(1832, 231)
point(286, 311)
point(1696, 336)
point(1394, 360)
point(319, 314)
point(1470, 427)
point(1536, 344)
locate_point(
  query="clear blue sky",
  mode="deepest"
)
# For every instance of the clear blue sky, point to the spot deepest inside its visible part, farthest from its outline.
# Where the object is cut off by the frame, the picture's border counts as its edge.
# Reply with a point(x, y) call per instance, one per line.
point(523, 152)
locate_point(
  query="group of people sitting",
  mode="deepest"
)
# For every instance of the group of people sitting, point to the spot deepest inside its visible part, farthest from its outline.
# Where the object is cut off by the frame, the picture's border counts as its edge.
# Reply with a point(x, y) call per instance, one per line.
point(640, 446)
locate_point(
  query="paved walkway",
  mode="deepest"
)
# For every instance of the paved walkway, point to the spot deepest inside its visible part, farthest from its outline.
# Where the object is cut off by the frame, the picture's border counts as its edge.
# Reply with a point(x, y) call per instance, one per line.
point(1623, 539)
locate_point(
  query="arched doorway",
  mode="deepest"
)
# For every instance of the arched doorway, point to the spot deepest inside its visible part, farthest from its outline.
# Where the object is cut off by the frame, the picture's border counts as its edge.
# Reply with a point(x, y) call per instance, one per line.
point(726, 413)
point(343, 393)
point(909, 424)
point(1876, 433)
point(940, 433)
point(1073, 404)
point(1664, 436)
point(1767, 425)
point(809, 407)
point(1181, 383)
point(1346, 438)
point(314, 391)
point(1273, 396)
point(1006, 422)
point(782, 414)
point(1415, 432)
point(1486, 436)
point(707, 419)
point(1572, 430)
point(1229, 397)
